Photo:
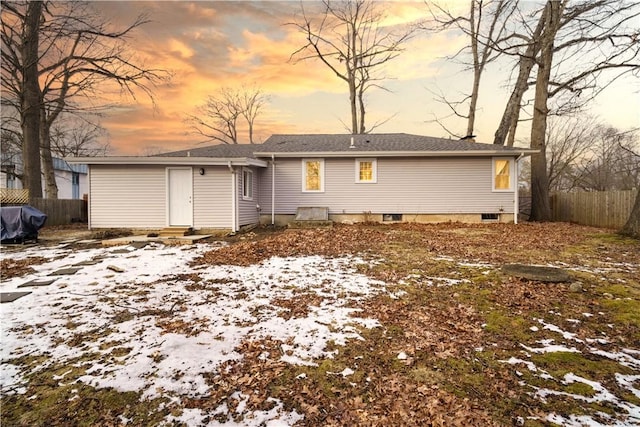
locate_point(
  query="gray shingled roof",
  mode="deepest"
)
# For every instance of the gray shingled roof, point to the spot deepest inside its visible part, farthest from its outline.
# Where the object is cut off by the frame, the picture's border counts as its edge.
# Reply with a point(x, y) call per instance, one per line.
point(220, 150)
point(381, 142)
point(339, 143)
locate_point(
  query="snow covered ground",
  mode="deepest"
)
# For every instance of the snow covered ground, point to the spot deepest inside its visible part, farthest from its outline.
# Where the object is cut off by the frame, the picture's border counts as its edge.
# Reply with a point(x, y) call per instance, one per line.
point(147, 320)
point(202, 321)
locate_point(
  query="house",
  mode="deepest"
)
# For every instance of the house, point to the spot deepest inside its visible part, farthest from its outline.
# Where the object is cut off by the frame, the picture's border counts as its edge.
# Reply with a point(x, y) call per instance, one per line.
point(71, 179)
point(381, 177)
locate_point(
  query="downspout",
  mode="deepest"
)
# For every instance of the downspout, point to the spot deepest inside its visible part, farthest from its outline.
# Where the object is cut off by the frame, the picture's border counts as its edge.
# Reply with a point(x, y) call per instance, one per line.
point(273, 189)
point(89, 196)
point(516, 198)
point(234, 196)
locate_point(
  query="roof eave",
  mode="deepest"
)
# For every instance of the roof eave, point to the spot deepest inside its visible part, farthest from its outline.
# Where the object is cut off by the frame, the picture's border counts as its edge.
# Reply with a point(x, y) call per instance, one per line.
point(180, 161)
point(460, 153)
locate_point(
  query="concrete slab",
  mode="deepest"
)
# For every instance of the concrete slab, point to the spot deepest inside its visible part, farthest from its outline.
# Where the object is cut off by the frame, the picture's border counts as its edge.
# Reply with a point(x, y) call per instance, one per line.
point(11, 296)
point(138, 240)
point(537, 273)
point(34, 282)
point(312, 214)
point(65, 271)
point(87, 241)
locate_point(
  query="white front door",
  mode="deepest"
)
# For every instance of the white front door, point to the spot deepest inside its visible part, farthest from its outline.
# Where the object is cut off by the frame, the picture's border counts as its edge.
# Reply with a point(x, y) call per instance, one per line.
point(179, 196)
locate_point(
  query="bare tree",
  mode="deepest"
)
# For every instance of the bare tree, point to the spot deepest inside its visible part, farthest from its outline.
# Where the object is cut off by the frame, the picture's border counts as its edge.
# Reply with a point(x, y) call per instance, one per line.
point(632, 226)
point(26, 29)
point(540, 204)
point(596, 43)
point(79, 53)
point(485, 23)
point(348, 38)
point(217, 118)
point(569, 140)
point(574, 45)
point(74, 137)
point(252, 100)
point(505, 133)
point(610, 163)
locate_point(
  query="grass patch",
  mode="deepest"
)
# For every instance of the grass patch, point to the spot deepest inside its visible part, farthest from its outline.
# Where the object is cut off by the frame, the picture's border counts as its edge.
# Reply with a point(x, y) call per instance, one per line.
point(561, 363)
point(508, 326)
point(624, 311)
point(79, 404)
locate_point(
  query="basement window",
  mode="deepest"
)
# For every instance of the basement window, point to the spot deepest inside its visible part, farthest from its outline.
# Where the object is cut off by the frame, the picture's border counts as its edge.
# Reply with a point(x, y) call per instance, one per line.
point(490, 217)
point(391, 217)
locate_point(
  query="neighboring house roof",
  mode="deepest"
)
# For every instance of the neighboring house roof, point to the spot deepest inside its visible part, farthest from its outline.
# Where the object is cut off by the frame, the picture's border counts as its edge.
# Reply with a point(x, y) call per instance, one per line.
point(383, 144)
point(61, 165)
point(15, 159)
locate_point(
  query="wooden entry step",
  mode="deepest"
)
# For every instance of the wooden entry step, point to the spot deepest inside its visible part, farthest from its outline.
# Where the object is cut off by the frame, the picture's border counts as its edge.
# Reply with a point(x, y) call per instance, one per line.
point(175, 231)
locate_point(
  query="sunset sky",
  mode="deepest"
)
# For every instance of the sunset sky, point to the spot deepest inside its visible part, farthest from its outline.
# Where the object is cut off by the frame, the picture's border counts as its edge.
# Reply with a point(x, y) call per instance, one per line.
point(208, 45)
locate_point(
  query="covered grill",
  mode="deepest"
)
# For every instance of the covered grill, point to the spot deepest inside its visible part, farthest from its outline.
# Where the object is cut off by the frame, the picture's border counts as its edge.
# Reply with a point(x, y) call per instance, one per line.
point(21, 223)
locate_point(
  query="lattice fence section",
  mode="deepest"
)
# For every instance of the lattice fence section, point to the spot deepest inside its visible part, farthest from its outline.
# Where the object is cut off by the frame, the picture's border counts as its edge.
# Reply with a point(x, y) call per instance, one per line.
point(12, 196)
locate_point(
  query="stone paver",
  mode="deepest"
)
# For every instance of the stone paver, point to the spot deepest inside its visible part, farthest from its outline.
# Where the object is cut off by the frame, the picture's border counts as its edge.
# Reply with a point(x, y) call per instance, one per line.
point(35, 282)
point(11, 296)
point(65, 271)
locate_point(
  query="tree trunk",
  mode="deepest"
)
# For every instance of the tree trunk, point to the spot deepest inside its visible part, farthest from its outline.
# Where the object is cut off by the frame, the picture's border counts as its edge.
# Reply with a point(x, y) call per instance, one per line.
point(632, 227)
point(474, 102)
point(513, 127)
point(540, 206)
point(477, 70)
point(51, 187)
point(354, 109)
point(30, 114)
point(509, 120)
point(250, 131)
point(361, 103)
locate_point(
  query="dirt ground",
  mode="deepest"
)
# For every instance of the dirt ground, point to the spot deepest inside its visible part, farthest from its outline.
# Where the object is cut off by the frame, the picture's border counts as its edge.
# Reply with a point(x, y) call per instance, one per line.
point(460, 342)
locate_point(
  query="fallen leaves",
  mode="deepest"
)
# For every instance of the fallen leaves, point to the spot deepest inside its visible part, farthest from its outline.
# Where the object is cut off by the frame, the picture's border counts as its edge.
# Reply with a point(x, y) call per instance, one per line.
point(16, 268)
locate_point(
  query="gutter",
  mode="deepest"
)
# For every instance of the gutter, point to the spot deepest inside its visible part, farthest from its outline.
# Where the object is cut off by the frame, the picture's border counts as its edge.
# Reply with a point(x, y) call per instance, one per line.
point(176, 161)
point(516, 198)
point(474, 153)
point(273, 189)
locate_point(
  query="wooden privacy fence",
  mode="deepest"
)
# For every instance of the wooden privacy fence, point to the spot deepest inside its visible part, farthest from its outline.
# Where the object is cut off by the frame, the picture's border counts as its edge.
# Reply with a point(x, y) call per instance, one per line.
point(61, 211)
point(608, 209)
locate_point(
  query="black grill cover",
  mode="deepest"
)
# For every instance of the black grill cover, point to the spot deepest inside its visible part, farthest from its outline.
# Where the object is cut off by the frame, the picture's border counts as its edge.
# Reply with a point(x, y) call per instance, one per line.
point(21, 222)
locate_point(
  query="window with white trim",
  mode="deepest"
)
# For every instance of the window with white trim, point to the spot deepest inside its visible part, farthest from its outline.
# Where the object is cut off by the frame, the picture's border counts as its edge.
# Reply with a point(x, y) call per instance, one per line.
point(502, 174)
point(247, 184)
point(313, 175)
point(366, 171)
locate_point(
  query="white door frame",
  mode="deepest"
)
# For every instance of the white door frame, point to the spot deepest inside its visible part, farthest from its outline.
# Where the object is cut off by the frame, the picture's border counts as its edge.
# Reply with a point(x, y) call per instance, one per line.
point(168, 196)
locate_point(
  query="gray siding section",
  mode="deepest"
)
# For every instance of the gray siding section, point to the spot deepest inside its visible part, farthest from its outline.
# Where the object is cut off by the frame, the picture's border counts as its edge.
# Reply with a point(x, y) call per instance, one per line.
point(404, 185)
point(212, 197)
point(247, 212)
point(125, 196)
point(135, 197)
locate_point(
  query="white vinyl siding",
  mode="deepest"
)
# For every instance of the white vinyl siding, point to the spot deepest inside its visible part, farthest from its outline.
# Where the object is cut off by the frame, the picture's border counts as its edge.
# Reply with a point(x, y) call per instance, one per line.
point(127, 196)
point(212, 198)
point(247, 208)
point(135, 197)
point(404, 185)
